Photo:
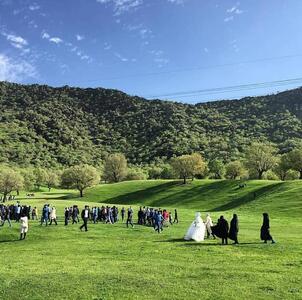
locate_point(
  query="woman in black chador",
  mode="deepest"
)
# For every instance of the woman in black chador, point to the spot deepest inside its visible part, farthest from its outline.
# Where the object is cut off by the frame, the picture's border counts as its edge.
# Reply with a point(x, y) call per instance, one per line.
point(265, 234)
point(234, 229)
point(221, 230)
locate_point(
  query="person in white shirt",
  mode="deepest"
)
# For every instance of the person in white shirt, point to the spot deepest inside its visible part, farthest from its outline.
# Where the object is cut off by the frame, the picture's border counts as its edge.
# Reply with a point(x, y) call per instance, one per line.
point(53, 216)
point(208, 223)
point(23, 226)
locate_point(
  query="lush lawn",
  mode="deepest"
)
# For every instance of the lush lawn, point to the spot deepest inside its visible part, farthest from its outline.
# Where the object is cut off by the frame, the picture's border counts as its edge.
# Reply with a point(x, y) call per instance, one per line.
point(113, 262)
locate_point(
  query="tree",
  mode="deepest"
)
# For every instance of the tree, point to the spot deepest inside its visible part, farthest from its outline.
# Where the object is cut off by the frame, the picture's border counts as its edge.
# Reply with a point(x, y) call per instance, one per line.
point(261, 157)
point(80, 177)
point(40, 175)
point(217, 168)
point(234, 170)
point(283, 166)
point(51, 179)
point(187, 166)
point(29, 178)
point(295, 160)
point(10, 180)
point(115, 167)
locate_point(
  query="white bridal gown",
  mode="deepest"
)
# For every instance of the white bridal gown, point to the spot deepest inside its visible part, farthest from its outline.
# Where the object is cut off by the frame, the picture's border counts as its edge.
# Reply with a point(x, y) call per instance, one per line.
point(197, 230)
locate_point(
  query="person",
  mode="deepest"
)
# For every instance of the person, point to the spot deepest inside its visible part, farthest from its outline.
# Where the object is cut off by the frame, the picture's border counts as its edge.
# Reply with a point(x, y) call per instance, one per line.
point(129, 217)
point(265, 230)
point(45, 215)
point(221, 230)
point(158, 218)
point(170, 218)
point(85, 216)
point(234, 229)
point(66, 216)
point(123, 214)
point(23, 226)
point(6, 216)
point(175, 216)
point(197, 229)
point(34, 213)
point(53, 216)
point(209, 224)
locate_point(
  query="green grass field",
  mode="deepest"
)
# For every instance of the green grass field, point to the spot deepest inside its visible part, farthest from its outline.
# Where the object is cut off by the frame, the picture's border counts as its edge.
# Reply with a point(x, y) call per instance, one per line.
point(115, 262)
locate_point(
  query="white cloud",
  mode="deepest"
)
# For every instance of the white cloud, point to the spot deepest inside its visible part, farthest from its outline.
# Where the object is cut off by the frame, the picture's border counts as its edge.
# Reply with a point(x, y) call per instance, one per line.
point(45, 35)
point(234, 10)
point(54, 39)
point(79, 37)
point(206, 50)
point(120, 57)
point(34, 6)
point(122, 6)
point(15, 70)
point(228, 19)
point(15, 40)
point(177, 1)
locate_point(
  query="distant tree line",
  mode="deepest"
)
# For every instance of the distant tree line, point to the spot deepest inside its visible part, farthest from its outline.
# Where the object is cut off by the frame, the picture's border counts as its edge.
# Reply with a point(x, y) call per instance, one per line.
point(261, 161)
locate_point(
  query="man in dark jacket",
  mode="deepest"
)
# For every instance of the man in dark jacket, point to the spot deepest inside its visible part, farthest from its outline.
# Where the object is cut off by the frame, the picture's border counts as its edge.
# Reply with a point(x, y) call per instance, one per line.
point(85, 216)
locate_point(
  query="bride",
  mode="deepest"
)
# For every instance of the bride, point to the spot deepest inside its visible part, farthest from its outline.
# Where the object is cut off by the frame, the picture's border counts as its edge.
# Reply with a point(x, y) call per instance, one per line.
point(197, 230)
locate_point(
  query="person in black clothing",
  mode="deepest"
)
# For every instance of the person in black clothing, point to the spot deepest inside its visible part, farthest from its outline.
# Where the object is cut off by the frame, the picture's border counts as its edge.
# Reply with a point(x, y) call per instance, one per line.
point(129, 217)
point(123, 213)
point(175, 217)
point(85, 216)
point(265, 230)
point(66, 215)
point(234, 229)
point(221, 229)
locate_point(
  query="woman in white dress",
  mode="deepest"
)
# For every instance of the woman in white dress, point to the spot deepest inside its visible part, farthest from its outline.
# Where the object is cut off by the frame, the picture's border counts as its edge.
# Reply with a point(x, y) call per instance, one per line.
point(197, 230)
point(208, 223)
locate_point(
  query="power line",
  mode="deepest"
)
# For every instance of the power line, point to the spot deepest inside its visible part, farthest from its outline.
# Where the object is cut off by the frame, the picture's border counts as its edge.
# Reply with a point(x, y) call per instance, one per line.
point(183, 70)
point(226, 89)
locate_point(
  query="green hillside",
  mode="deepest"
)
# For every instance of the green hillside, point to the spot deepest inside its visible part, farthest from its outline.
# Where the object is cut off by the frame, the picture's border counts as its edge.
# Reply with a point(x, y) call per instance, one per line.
point(205, 195)
point(46, 126)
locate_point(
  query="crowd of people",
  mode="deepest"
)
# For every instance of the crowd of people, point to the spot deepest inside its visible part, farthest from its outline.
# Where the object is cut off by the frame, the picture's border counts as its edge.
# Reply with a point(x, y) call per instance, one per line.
point(200, 229)
point(146, 216)
point(156, 218)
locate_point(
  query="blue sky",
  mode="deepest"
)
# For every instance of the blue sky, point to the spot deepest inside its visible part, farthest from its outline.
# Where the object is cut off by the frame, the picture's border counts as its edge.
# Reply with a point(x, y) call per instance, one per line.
point(153, 47)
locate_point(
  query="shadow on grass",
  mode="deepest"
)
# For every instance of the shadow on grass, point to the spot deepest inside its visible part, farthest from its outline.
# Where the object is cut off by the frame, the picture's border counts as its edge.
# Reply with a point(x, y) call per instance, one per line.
point(251, 196)
point(10, 241)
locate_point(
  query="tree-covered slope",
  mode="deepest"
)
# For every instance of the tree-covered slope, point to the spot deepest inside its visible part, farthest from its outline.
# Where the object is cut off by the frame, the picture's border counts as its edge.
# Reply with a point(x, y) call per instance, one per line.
point(49, 126)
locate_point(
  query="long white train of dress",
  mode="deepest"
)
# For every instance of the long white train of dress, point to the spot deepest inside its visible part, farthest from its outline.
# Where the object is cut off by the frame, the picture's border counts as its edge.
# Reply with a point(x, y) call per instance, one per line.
point(197, 230)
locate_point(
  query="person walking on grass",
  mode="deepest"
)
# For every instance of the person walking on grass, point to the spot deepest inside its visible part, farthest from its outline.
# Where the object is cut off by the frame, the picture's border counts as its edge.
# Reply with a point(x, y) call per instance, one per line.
point(85, 216)
point(6, 216)
point(45, 215)
point(123, 211)
point(175, 216)
point(234, 229)
point(158, 221)
point(209, 224)
point(23, 226)
point(265, 230)
point(129, 217)
point(53, 216)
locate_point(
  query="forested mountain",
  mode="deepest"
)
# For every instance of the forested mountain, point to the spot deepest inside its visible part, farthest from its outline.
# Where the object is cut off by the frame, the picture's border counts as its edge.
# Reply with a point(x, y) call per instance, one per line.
point(48, 126)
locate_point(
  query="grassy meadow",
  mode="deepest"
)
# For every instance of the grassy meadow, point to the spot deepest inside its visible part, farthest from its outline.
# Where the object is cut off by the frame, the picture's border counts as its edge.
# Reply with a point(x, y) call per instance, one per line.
point(115, 262)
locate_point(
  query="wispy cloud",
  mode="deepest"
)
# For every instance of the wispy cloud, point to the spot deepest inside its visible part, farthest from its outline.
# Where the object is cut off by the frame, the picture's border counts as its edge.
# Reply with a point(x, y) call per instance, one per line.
point(34, 6)
point(53, 39)
point(122, 6)
point(79, 37)
point(15, 70)
point(232, 12)
point(159, 58)
point(120, 57)
point(107, 46)
point(176, 1)
point(15, 40)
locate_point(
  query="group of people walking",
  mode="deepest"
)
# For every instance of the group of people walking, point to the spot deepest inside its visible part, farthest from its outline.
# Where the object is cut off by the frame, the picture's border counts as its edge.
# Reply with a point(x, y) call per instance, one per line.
point(199, 229)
